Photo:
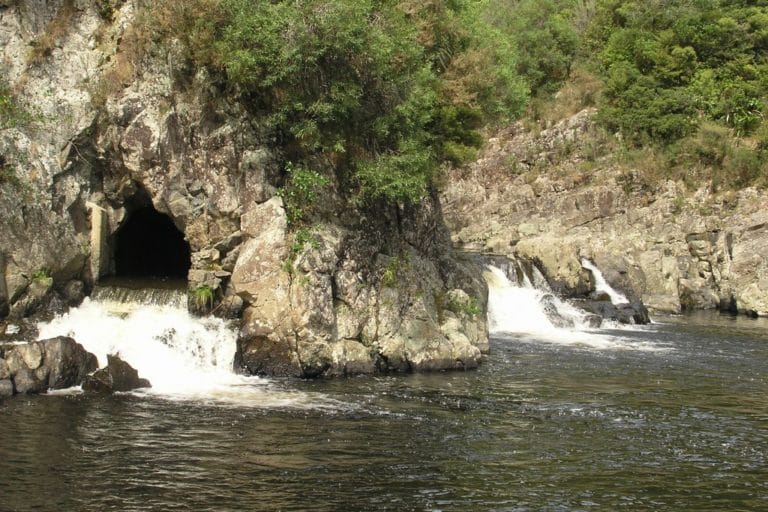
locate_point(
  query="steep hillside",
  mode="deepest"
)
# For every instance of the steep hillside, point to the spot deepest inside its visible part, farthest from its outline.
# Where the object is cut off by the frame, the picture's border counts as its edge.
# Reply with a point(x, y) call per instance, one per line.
point(550, 197)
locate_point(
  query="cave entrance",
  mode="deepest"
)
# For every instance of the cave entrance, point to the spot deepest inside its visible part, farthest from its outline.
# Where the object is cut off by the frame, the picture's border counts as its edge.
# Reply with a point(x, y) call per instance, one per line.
point(149, 245)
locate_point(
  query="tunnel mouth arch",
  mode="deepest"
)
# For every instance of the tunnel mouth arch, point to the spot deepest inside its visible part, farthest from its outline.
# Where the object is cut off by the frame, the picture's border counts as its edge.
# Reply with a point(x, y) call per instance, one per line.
point(150, 246)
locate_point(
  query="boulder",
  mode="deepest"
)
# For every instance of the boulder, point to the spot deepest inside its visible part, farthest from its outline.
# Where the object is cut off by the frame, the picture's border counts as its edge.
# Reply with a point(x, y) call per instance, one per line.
point(554, 316)
point(631, 313)
point(26, 381)
point(38, 366)
point(697, 293)
point(635, 311)
point(5, 373)
point(260, 355)
point(116, 376)
point(593, 321)
point(350, 357)
point(6, 388)
point(67, 362)
point(74, 292)
point(37, 294)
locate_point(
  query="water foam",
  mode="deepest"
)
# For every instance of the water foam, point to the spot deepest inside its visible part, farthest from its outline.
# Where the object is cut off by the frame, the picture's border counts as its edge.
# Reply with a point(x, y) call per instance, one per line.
point(519, 311)
point(183, 356)
point(175, 351)
point(602, 286)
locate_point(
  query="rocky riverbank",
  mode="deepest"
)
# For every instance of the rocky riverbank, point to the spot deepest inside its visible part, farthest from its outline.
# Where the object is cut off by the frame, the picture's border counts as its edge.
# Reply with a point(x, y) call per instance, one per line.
point(40, 366)
point(540, 196)
point(118, 133)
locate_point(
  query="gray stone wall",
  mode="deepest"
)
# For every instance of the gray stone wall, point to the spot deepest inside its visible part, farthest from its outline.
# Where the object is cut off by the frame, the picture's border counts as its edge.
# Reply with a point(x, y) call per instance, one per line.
point(670, 247)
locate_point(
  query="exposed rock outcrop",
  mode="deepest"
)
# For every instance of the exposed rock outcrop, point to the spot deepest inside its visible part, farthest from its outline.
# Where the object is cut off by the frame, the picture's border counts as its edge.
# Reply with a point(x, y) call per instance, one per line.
point(117, 376)
point(630, 313)
point(356, 300)
point(36, 367)
point(145, 130)
point(669, 248)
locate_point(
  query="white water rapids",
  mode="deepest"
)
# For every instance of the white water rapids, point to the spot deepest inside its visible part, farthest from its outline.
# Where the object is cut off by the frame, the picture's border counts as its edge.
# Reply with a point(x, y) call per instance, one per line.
point(183, 356)
point(521, 312)
point(602, 286)
point(188, 357)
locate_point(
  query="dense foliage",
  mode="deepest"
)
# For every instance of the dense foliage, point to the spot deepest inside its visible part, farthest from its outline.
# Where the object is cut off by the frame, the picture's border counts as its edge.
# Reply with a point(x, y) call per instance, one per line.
point(385, 93)
point(671, 63)
point(684, 79)
point(545, 34)
point(690, 76)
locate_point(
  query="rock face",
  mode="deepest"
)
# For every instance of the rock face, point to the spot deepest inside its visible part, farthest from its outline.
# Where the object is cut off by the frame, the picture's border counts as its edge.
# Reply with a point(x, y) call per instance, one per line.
point(669, 248)
point(144, 130)
point(631, 313)
point(38, 366)
point(354, 301)
point(117, 376)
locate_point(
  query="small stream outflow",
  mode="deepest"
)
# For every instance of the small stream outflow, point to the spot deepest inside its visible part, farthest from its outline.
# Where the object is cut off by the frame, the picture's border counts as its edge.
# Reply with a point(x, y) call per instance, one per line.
point(602, 286)
point(151, 329)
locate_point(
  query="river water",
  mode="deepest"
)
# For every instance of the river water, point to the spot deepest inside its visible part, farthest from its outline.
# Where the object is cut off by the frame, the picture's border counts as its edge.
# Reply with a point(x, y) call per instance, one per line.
point(669, 417)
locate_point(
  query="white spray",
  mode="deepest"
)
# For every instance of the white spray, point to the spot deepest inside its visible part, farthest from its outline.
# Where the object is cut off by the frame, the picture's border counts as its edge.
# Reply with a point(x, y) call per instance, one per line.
point(602, 286)
point(183, 356)
point(520, 311)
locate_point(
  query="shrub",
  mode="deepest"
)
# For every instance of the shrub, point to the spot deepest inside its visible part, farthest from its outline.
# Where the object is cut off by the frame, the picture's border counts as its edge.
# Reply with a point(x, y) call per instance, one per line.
point(203, 297)
point(470, 307)
point(301, 192)
point(389, 276)
point(546, 39)
point(302, 237)
point(42, 276)
point(670, 67)
point(386, 90)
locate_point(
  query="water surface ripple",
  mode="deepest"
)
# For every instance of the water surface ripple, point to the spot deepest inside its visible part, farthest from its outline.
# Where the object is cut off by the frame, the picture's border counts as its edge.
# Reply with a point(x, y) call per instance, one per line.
point(540, 426)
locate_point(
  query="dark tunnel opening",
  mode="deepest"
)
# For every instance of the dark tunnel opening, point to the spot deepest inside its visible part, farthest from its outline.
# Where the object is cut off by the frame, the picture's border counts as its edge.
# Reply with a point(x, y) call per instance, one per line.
point(150, 246)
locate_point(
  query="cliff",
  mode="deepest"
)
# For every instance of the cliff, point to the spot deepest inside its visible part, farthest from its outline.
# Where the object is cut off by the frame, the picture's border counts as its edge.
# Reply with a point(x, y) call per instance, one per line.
point(120, 134)
point(550, 197)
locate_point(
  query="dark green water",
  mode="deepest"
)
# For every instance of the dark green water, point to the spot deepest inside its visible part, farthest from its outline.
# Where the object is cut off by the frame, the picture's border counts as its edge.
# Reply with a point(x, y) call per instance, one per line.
point(680, 425)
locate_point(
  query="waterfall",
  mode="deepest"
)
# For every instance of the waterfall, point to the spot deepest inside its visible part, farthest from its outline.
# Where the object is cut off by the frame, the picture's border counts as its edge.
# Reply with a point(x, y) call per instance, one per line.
point(184, 357)
point(522, 311)
point(602, 286)
point(526, 309)
point(152, 331)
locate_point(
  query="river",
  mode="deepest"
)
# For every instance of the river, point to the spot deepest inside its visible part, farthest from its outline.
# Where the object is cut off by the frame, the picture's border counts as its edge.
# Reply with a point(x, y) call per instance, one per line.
point(672, 416)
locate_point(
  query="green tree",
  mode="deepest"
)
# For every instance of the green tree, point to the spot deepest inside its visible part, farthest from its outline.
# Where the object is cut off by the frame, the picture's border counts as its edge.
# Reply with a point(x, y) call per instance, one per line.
point(385, 90)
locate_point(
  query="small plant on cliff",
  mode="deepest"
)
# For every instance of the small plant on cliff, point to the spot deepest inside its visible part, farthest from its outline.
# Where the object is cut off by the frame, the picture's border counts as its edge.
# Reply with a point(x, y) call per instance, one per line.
point(42, 276)
point(203, 297)
point(470, 307)
point(301, 192)
point(389, 278)
point(301, 238)
point(12, 114)
point(43, 45)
